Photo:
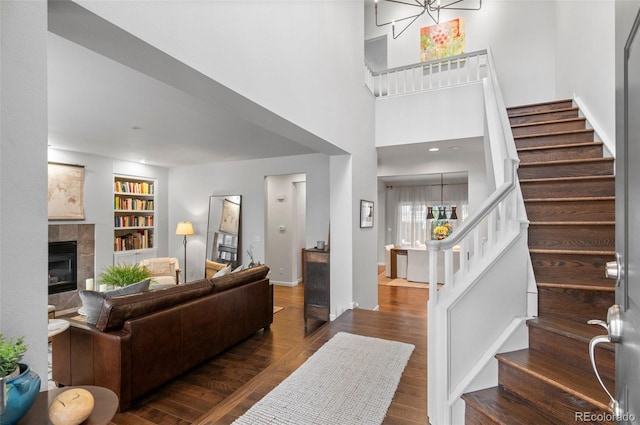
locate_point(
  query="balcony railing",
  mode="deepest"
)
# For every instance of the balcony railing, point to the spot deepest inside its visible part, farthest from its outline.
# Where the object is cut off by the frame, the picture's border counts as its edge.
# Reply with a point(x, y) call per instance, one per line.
point(454, 70)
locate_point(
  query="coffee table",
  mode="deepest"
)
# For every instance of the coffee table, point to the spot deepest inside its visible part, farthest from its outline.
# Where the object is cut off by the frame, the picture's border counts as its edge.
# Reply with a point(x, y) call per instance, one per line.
point(106, 404)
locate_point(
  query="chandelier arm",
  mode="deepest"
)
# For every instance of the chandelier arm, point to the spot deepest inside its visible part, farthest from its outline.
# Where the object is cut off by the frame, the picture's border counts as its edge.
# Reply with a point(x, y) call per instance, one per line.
point(448, 6)
point(393, 28)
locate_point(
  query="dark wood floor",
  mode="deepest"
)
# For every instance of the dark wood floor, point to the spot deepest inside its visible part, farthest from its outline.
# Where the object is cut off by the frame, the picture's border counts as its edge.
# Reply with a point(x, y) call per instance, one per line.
point(222, 389)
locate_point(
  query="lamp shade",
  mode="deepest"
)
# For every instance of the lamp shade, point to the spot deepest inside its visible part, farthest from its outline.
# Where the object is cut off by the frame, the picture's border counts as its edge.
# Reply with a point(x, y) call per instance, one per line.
point(184, 228)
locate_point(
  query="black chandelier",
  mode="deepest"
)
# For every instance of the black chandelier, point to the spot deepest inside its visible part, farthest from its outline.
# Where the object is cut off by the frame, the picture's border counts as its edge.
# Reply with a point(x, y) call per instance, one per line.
point(430, 7)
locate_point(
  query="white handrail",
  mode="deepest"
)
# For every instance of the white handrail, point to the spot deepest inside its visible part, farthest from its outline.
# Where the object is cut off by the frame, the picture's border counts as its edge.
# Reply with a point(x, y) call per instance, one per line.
point(491, 238)
point(421, 76)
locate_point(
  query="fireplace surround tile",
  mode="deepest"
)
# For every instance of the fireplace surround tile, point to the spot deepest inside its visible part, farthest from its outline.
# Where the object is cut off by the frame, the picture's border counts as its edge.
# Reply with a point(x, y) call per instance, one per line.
point(84, 234)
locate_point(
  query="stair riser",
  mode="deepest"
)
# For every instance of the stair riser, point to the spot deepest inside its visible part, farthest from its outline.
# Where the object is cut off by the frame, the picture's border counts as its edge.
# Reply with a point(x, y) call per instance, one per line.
point(474, 417)
point(572, 351)
point(557, 154)
point(554, 139)
point(571, 269)
point(571, 210)
point(553, 170)
point(546, 116)
point(552, 127)
point(547, 397)
point(573, 304)
point(568, 189)
point(594, 237)
point(527, 109)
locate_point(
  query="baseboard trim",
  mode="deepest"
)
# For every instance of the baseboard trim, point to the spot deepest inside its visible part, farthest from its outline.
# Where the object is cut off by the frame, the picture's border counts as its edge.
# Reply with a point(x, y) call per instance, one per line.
point(280, 283)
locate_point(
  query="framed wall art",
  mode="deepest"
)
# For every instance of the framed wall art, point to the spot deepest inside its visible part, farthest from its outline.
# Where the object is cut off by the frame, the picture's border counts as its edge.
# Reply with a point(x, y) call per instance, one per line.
point(366, 213)
point(65, 194)
point(230, 217)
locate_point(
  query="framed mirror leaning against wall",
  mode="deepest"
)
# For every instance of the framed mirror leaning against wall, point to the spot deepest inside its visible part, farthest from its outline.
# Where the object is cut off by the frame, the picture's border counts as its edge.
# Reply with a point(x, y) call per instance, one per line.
point(223, 233)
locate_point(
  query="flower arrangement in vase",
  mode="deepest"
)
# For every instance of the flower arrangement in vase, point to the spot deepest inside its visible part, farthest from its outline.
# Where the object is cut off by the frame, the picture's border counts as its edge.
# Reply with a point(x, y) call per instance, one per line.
point(441, 229)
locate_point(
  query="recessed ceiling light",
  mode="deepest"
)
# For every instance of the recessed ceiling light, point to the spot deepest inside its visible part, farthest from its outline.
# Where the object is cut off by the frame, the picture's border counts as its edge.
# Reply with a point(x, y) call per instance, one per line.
point(135, 127)
point(454, 148)
point(434, 149)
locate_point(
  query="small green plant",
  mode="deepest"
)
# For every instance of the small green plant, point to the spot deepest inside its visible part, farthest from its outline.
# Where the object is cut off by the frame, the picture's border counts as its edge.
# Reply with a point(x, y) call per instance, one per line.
point(124, 274)
point(11, 353)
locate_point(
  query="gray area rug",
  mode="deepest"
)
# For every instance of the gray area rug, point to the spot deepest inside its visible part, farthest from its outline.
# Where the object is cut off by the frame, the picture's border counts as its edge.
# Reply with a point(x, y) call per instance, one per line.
point(349, 380)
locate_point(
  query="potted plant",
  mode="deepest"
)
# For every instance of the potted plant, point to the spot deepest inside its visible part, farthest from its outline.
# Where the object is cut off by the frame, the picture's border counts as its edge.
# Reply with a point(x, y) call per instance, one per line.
point(11, 353)
point(124, 274)
point(19, 386)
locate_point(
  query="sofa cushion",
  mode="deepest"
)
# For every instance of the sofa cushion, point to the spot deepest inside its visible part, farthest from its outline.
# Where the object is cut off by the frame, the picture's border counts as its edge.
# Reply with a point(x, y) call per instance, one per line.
point(116, 311)
point(233, 280)
point(92, 300)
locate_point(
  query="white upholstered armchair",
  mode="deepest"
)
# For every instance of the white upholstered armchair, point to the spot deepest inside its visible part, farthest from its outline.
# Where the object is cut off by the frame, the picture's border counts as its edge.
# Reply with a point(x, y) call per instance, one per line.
point(164, 270)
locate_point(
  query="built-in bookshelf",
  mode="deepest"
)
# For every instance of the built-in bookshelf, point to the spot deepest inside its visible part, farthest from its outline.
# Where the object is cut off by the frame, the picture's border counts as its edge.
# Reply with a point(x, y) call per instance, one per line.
point(134, 217)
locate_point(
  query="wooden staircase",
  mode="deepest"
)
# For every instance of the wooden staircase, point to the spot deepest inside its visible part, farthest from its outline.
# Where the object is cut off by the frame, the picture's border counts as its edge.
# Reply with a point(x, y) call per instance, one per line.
point(568, 189)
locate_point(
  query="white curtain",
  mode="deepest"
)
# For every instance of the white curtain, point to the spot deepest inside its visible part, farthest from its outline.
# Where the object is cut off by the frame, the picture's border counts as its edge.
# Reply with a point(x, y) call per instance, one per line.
point(406, 210)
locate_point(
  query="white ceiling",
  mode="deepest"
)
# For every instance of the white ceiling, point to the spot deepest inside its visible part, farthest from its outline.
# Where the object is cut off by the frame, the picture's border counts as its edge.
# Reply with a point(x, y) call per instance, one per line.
point(158, 110)
point(99, 106)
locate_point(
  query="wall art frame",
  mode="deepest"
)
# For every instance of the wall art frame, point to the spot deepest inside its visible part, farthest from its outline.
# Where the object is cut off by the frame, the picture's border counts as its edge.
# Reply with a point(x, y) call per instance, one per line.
point(366, 213)
point(65, 191)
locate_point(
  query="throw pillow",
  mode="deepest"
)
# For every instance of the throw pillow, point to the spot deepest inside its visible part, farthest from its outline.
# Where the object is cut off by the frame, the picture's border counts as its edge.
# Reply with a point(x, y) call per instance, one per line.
point(211, 267)
point(237, 269)
point(223, 272)
point(92, 300)
point(91, 304)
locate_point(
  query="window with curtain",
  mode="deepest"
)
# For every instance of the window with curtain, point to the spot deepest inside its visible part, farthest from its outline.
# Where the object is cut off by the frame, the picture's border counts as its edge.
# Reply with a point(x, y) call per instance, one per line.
point(406, 210)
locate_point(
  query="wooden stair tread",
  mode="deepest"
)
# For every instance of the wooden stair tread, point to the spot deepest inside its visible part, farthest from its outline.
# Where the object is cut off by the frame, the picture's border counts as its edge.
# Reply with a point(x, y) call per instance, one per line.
point(559, 121)
point(573, 199)
point(534, 113)
point(539, 104)
point(505, 408)
point(565, 179)
point(572, 223)
point(565, 161)
point(600, 288)
point(570, 329)
point(569, 379)
point(569, 251)
point(554, 133)
point(549, 147)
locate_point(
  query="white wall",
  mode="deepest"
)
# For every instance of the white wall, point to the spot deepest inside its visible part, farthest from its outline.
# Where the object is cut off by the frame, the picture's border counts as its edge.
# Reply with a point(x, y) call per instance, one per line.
point(190, 188)
point(585, 58)
point(23, 177)
point(300, 60)
point(98, 200)
point(454, 113)
point(521, 34)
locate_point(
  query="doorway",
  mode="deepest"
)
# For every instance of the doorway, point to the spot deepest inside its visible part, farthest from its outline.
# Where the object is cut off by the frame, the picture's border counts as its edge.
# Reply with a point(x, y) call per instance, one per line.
point(285, 224)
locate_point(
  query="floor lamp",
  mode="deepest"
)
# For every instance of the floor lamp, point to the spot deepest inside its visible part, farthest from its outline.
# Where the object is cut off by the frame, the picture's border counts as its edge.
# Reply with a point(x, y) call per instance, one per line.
point(185, 228)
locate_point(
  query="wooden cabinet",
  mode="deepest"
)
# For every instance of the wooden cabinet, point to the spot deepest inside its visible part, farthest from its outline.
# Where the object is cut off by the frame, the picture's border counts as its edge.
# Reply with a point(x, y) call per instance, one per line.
point(317, 293)
point(134, 218)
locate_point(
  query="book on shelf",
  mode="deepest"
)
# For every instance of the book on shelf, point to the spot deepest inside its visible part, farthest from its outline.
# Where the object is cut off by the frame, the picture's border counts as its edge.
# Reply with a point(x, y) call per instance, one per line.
point(142, 188)
point(140, 239)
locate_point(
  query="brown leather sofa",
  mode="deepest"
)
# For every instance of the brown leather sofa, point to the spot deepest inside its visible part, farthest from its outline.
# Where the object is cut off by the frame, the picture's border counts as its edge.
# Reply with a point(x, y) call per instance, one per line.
point(143, 340)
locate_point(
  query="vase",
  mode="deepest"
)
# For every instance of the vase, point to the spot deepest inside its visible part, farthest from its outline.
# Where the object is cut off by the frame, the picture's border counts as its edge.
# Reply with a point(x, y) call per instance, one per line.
point(19, 394)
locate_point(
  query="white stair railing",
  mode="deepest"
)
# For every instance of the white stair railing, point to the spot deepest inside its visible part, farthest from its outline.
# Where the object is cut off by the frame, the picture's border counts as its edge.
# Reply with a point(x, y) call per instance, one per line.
point(440, 73)
point(482, 306)
point(484, 302)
